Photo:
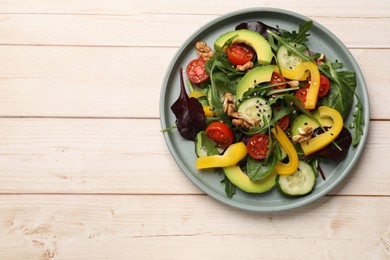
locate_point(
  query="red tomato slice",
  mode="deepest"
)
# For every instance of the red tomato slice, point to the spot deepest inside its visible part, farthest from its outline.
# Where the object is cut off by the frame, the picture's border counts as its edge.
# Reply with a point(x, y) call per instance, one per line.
point(196, 71)
point(220, 133)
point(301, 94)
point(239, 54)
point(257, 146)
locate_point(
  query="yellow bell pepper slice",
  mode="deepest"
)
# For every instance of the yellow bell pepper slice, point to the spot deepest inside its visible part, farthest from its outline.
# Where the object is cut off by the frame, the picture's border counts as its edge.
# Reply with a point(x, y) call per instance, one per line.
point(196, 94)
point(312, 93)
point(209, 111)
point(320, 141)
point(292, 165)
point(290, 74)
point(233, 154)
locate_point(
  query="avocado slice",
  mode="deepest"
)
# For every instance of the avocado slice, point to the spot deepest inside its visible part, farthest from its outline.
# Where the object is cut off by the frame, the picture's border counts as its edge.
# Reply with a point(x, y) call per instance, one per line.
point(242, 181)
point(252, 78)
point(251, 38)
point(303, 121)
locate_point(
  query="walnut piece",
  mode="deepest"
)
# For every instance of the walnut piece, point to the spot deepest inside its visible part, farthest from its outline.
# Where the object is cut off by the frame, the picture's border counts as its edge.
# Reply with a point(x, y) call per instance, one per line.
point(246, 66)
point(229, 106)
point(243, 120)
point(204, 51)
point(293, 83)
point(304, 134)
point(321, 59)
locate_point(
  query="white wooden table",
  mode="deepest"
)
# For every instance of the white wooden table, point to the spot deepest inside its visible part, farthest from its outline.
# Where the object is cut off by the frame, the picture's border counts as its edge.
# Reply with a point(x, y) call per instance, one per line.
point(85, 172)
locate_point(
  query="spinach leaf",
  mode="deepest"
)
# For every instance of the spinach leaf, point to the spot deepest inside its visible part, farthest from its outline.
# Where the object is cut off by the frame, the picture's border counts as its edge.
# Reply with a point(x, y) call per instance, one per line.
point(341, 93)
point(207, 144)
point(225, 76)
point(259, 169)
point(230, 188)
point(190, 117)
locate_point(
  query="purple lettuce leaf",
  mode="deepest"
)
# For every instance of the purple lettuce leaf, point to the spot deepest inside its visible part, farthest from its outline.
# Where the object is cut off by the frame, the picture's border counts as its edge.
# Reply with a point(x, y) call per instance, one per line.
point(190, 117)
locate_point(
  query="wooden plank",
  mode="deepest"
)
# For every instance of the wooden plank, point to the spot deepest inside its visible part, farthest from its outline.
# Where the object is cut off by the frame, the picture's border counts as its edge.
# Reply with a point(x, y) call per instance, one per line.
point(158, 30)
point(110, 82)
point(124, 7)
point(197, 227)
point(82, 81)
point(129, 157)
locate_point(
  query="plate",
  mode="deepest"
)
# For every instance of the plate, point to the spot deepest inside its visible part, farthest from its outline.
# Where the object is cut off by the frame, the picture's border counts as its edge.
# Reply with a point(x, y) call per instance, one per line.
point(183, 151)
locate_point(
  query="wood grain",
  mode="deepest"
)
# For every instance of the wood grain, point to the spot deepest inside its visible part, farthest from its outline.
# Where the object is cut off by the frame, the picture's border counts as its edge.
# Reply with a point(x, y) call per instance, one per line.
point(330, 9)
point(157, 30)
point(173, 227)
point(114, 156)
point(109, 82)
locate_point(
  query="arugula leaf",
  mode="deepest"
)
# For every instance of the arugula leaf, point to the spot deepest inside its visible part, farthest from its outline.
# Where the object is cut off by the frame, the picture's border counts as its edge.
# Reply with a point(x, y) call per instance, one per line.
point(357, 124)
point(345, 82)
point(219, 63)
point(298, 37)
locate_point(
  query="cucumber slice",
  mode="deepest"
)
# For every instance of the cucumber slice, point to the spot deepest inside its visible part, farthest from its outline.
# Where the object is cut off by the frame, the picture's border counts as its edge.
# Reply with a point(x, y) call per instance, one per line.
point(299, 183)
point(285, 60)
point(256, 109)
point(209, 96)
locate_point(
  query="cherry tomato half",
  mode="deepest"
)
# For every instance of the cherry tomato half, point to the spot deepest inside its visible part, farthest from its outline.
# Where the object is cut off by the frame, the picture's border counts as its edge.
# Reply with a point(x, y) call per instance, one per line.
point(324, 86)
point(277, 79)
point(220, 133)
point(239, 54)
point(196, 71)
point(284, 122)
point(257, 146)
point(301, 94)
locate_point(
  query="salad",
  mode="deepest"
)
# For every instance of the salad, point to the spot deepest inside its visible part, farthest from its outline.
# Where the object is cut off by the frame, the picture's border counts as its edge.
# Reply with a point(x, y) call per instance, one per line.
point(266, 110)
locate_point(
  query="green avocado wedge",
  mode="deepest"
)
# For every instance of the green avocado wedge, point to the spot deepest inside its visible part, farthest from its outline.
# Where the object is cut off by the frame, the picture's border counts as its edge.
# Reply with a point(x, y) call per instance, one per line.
point(252, 78)
point(242, 181)
point(251, 38)
point(303, 121)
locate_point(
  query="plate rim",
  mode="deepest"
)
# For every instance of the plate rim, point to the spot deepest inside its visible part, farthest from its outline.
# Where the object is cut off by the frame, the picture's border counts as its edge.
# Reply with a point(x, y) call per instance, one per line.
point(225, 200)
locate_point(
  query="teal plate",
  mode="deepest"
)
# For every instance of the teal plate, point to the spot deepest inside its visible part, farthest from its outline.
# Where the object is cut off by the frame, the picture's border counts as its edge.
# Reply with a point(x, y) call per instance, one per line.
point(183, 151)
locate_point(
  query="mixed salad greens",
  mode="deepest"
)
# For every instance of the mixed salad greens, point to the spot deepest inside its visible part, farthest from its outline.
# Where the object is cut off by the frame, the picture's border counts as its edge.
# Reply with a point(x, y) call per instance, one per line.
point(266, 110)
